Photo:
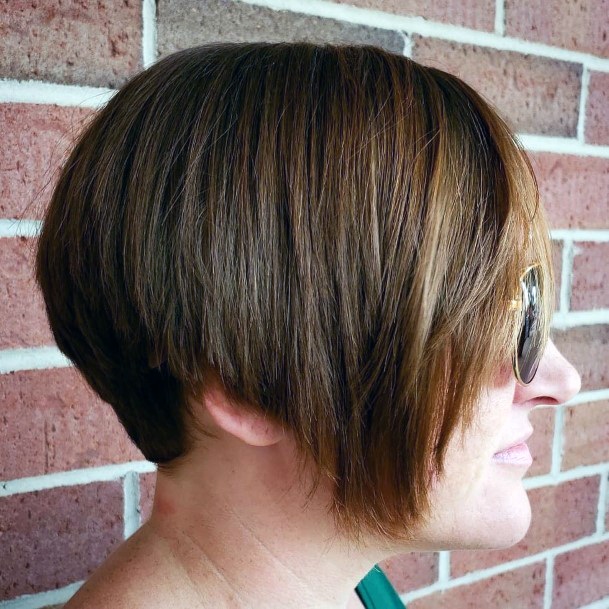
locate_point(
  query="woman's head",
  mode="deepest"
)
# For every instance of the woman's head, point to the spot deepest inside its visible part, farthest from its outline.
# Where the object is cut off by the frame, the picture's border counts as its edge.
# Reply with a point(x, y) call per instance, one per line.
point(336, 232)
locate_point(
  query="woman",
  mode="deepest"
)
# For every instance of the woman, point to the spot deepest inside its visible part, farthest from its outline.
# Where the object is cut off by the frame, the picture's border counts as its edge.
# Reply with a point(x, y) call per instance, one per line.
point(314, 282)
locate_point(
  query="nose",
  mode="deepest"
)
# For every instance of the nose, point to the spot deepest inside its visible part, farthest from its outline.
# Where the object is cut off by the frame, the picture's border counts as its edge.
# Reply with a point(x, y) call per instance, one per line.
point(556, 381)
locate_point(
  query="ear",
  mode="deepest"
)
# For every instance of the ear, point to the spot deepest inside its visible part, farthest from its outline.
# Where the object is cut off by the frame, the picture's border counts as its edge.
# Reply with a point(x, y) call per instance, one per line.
point(239, 420)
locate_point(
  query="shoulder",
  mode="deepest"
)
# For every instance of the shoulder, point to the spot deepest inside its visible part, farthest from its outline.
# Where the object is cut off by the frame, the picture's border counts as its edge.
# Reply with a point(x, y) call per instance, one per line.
point(132, 577)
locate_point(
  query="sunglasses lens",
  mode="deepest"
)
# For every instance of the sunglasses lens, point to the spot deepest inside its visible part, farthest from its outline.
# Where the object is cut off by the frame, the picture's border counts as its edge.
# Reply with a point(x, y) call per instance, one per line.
point(530, 348)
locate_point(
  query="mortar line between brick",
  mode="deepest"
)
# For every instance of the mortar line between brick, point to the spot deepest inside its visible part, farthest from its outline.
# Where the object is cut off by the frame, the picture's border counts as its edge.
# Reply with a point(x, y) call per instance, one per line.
point(149, 33)
point(426, 27)
point(32, 358)
point(103, 473)
point(43, 599)
point(580, 234)
point(443, 567)
point(549, 587)
point(557, 440)
point(602, 505)
point(583, 100)
point(566, 275)
point(500, 17)
point(407, 50)
point(483, 574)
point(131, 505)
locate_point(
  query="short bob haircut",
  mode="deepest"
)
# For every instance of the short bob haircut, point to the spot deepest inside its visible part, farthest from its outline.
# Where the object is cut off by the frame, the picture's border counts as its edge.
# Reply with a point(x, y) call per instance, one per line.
point(335, 231)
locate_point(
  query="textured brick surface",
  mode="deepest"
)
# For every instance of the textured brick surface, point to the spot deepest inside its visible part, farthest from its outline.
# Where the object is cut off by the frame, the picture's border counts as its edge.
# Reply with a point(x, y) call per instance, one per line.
point(519, 589)
point(587, 348)
point(596, 125)
point(478, 14)
point(573, 189)
point(586, 434)
point(35, 139)
point(49, 539)
point(410, 571)
point(71, 41)
point(24, 321)
point(581, 25)
point(560, 514)
point(590, 282)
point(534, 94)
point(147, 484)
point(51, 421)
point(540, 443)
point(581, 576)
point(184, 23)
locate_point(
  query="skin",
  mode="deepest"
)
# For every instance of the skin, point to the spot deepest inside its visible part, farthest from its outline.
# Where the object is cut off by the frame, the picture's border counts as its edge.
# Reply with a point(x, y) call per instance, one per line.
point(228, 527)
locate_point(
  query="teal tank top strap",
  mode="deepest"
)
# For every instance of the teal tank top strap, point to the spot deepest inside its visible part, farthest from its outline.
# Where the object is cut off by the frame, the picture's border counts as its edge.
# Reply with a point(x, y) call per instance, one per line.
point(376, 592)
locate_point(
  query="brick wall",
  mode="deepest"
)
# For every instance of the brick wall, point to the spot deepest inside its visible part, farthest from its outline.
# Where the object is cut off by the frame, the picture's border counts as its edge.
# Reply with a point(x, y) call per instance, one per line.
point(72, 487)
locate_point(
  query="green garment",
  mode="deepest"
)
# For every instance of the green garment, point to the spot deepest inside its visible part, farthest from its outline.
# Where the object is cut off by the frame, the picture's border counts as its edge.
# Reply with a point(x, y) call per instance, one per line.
point(376, 592)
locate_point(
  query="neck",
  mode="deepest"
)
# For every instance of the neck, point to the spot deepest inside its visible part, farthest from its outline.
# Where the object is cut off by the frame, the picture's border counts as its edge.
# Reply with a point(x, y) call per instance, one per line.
point(235, 526)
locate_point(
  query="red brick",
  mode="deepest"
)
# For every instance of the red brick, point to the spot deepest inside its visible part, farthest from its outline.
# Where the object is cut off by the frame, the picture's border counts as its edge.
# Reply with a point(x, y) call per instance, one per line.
point(71, 41)
point(581, 576)
point(52, 421)
point(477, 14)
point(35, 139)
point(411, 571)
point(192, 22)
point(540, 443)
point(574, 189)
point(580, 25)
point(534, 94)
point(590, 282)
point(147, 486)
point(586, 434)
point(596, 125)
point(560, 514)
point(51, 538)
point(24, 320)
point(587, 348)
point(522, 588)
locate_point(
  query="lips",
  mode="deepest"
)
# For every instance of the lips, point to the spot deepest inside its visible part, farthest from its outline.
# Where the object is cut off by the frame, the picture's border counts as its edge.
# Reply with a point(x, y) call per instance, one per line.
point(516, 442)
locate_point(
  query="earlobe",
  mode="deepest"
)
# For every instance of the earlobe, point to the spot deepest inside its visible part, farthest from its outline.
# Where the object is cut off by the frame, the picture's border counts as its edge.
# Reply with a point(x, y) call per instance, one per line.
point(253, 428)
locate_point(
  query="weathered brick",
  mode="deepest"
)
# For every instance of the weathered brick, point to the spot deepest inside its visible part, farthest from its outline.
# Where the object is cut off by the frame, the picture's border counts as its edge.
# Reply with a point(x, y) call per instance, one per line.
point(185, 23)
point(540, 443)
point(586, 434)
point(51, 538)
point(574, 189)
point(580, 26)
point(587, 348)
point(51, 421)
point(24, 320)
point(560, 514)
point(590, 282)
point(533, 94)
point(581, 576)
point(522, 588)
point(596, 125)
point(478, 14)
point(147, 486)
point(35, 140)
point(71, 41)
point(410, 571)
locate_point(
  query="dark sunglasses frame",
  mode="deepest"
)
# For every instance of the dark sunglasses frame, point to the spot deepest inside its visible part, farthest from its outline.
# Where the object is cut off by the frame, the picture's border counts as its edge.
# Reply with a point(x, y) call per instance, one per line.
point(529, 348)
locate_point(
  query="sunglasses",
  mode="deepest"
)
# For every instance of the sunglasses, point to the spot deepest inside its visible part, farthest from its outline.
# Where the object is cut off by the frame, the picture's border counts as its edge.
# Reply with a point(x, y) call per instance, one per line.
point(531, 342)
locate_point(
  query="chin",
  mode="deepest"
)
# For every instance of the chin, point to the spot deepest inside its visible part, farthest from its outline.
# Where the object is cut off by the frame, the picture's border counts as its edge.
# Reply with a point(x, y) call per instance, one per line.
point(505, 526)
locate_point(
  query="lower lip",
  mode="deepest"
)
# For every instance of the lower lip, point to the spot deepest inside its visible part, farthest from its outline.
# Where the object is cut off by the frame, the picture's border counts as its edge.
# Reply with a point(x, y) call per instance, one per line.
point(515, 455)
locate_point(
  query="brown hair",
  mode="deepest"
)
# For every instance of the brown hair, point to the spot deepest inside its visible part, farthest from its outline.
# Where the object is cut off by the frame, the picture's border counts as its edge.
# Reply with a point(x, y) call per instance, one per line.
point(335, 230)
